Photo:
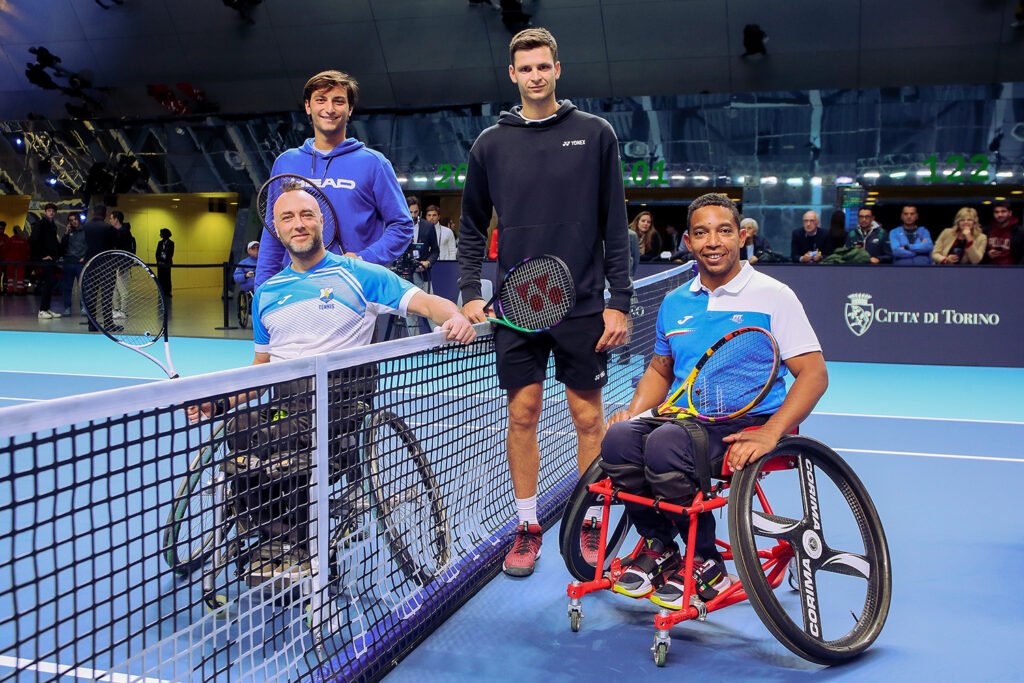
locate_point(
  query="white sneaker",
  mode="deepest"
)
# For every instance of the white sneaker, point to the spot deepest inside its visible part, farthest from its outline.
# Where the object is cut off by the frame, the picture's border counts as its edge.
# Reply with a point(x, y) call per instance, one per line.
point(119, 315)
point(45, 315)
point(54, 314)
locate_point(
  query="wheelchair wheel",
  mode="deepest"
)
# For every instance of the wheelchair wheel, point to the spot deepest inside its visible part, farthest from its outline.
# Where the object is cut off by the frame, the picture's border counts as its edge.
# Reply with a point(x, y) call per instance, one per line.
point(244, 308)
point(569, 537)
point(408, 499)
point(188, 536)
point(844, 575)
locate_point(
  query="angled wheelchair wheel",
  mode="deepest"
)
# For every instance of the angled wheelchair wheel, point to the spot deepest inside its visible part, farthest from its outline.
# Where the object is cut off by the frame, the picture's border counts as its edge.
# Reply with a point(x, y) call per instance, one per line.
point(581, 564)
point(244, 308)
point(188, 536)
point(822, 511)
point(408, 499)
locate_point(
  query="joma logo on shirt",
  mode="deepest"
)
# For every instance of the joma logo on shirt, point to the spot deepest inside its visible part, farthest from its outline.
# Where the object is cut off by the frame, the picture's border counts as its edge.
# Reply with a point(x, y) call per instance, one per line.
point(573, 143)
point(339, 183)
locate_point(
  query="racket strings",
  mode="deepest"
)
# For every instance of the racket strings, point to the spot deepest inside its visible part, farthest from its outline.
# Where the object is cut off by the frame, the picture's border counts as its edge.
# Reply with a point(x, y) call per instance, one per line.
point(122, 297)
point(737, 374)
point(537, 294)
point(278, 185)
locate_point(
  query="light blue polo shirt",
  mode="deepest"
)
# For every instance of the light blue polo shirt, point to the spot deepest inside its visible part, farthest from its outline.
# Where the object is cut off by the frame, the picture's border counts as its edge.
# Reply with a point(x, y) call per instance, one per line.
point(692, 318)
point(332, 306)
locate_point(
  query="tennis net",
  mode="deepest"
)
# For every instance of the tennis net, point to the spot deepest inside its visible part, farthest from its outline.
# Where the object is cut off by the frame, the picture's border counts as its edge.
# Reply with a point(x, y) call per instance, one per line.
point(315, 531)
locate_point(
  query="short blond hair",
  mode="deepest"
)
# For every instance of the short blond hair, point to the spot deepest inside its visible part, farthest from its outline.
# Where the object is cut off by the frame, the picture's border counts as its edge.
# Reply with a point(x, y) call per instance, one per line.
point(966, 214)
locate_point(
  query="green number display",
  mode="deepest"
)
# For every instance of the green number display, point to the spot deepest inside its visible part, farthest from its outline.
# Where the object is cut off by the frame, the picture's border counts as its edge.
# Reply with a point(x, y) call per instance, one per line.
point(976, 166)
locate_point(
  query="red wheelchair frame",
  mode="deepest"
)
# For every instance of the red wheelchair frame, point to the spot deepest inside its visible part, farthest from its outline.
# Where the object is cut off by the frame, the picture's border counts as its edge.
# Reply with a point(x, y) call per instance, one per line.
point(792, 453)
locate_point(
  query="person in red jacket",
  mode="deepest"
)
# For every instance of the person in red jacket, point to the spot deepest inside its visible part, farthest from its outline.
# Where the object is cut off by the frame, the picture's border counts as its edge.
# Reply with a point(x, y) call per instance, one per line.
point(18, 250)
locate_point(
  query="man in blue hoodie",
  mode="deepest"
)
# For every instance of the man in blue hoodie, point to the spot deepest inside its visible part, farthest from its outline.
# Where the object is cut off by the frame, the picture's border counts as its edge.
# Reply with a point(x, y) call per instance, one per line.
point(911, 244)
point(359, 182)
point(552, 174)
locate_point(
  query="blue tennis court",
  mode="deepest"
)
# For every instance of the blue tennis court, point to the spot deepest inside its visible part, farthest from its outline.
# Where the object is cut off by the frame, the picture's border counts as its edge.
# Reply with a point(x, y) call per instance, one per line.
point(944, 476)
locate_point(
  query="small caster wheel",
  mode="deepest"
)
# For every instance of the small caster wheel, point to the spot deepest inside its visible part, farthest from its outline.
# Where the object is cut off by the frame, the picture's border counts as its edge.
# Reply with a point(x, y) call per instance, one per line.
point(218, 606)
point(794, 581)
point(660, 654)
point(575, 617)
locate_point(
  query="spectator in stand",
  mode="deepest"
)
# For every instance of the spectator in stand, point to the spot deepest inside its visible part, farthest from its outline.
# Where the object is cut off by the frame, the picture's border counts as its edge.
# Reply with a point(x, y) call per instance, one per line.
point(1005, 237)
point(836, 231)
point(74, 249)
point(18, 251)
point(164, 261)
point(911, 244)
point(755, 245)
point(3, 254)
point(870, 236)
point(810, 242)
point(446, 244)
point(45, 247)
point(672, 240)
point(245, 273)
point(650, 240)
point(963, 243)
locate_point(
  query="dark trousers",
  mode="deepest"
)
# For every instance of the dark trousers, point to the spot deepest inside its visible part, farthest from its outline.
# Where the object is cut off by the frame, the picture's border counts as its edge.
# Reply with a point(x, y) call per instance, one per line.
point(656, 451)
point(46, 286)
point(72, 269)
point(163, 276)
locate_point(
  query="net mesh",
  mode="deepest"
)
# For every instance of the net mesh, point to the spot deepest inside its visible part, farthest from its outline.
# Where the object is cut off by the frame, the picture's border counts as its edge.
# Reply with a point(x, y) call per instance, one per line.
point(121, 296)
point(316, 531)
point(275, 187)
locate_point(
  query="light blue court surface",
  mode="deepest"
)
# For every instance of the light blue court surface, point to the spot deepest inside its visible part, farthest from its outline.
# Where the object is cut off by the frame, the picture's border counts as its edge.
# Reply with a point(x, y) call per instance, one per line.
point(940, 450)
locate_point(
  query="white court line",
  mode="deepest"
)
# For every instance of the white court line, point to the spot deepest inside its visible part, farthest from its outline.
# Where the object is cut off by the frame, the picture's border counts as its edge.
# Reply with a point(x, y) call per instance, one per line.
point(76, 671)
point(930, 455)
point(926, 419)
point(19, 398)
point(75, 374)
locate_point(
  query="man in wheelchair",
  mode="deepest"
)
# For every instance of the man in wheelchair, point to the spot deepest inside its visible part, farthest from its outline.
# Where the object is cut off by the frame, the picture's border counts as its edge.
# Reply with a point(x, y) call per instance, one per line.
point(321, 303)
point(659, 458)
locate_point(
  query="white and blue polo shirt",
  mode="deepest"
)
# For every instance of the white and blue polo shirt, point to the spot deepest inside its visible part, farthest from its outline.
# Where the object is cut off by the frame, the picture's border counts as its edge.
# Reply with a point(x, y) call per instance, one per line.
point(332, 306)
point(692, 318)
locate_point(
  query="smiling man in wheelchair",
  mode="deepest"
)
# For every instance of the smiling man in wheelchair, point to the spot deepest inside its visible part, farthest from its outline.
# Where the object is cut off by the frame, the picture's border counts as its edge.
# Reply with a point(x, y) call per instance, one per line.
point(671, 458)
point(321, 303)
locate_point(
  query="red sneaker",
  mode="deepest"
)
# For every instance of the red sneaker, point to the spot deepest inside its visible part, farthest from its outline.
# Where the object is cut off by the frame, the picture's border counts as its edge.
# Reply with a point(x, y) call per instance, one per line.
point(525, 551)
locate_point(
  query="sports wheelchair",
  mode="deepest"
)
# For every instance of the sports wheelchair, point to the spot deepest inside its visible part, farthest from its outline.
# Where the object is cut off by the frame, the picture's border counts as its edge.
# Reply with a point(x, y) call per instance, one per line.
point(839, 599)
point(244, 308)
point(242, 512)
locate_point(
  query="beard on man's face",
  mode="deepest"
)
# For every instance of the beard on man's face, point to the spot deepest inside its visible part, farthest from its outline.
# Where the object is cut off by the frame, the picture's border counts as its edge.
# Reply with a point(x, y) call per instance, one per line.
point(311, 247)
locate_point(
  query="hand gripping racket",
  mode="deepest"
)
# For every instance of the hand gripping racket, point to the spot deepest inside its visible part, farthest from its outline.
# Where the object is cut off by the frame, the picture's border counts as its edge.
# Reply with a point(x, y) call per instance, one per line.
point(535, 295)
point(123, 300)
point(730, 379)
point(278, 185)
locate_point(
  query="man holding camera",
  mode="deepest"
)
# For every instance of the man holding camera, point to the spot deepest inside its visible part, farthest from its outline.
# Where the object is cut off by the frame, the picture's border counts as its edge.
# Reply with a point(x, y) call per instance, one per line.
point(421, 255)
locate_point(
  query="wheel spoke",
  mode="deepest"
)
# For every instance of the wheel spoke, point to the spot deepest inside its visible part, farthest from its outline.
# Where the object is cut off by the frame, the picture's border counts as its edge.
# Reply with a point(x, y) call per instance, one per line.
point(775, 526)
point(809, 598)
point(850, 564)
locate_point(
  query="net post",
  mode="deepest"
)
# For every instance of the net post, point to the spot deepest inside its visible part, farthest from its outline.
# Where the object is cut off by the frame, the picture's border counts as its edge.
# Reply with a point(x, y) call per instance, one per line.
point(226, 297)
point(320, 514)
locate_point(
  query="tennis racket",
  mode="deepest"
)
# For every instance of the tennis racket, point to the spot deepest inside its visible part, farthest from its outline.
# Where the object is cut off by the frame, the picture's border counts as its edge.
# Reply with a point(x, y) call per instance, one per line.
point(278, 185)
point(535, 295)
point(123, 300)
point(730, 379)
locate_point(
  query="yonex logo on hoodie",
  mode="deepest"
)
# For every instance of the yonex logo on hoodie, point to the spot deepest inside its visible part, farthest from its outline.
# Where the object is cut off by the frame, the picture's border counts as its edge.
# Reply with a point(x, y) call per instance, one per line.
point(339, 183)
point(573, 143)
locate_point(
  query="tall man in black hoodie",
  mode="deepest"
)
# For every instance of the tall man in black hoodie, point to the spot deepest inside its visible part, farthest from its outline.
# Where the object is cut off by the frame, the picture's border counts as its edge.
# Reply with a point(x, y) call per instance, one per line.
point(46, 248)
point(553, 175)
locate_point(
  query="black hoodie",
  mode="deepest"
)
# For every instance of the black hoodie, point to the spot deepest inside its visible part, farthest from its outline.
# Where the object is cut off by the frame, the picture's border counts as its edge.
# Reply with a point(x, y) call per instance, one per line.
point(556, 185)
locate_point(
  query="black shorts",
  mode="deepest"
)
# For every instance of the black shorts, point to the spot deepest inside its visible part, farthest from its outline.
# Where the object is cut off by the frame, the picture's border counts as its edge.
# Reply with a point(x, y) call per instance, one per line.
point(523, 358)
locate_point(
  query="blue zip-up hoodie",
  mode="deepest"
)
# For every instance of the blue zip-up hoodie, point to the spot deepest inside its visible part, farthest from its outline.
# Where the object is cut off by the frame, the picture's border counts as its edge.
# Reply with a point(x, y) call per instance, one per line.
point(361, 184)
